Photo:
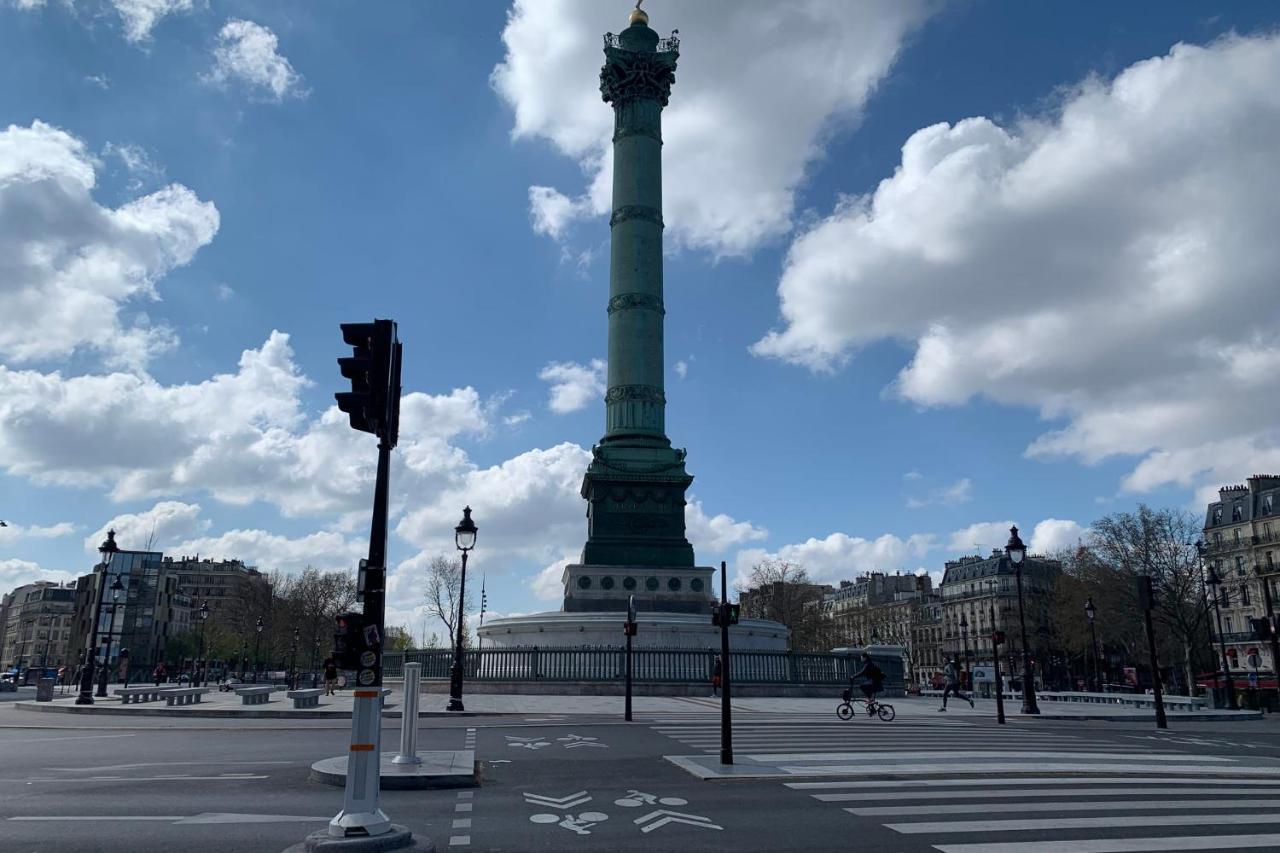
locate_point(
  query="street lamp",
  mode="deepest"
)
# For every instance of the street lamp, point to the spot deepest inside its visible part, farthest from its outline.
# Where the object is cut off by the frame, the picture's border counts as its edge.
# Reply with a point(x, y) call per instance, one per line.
point(256, 641)
point(964, 635)
point(1017, 555)
point(1213, 582)
point(104, 673)
point(293, 662)
point(108, 550)
point(204, 616)
point(465, 537)
point(1090, 612)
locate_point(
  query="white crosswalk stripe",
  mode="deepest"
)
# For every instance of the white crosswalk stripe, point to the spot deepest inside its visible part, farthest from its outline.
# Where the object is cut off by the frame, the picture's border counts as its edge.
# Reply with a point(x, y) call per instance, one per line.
point(1047, 814)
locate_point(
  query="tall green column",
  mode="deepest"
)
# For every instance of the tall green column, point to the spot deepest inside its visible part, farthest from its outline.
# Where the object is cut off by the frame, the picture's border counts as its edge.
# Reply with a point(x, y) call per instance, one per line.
point(636, 483)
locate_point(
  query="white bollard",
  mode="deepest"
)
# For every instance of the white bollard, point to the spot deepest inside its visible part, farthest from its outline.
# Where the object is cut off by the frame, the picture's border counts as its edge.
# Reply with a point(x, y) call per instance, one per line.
point(360, 813)
point(409, 722)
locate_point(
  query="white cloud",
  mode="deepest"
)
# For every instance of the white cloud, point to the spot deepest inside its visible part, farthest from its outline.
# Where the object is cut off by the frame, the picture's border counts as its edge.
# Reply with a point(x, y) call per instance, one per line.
point(840, 556)
point(714, 535)
point(248, 53)
point(241, 437)
point(980, 538)
point(165, 524)
point(141, 16)
point(1056, 534)
point(324, 550)
point(12, 532)
point(137, 162)
point(15, 573)
point(682, 368)
point(102, 81)
point(959, 492)
point(547, 584)
point(1092, 262)
point(756, 93)
point(69, 266)
point(574, 386)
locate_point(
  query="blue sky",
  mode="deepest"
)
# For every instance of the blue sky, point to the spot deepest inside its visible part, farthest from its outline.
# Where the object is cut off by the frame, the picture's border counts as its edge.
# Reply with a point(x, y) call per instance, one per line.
point(931, 268)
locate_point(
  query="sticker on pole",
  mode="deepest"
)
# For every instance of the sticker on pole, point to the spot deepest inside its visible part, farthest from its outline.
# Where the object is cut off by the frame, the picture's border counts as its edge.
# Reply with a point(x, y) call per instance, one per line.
point(366, 677)
point(368, 658)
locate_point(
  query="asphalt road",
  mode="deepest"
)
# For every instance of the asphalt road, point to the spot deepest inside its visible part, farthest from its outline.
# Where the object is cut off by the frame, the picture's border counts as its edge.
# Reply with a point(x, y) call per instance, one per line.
point(95, 784)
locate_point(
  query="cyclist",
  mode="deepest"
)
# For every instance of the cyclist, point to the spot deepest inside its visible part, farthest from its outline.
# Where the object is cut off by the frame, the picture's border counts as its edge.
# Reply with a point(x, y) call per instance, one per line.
point(874, 676)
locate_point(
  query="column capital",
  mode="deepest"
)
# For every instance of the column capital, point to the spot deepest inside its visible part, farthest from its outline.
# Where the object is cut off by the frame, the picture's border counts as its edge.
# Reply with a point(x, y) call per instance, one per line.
point(638, 74)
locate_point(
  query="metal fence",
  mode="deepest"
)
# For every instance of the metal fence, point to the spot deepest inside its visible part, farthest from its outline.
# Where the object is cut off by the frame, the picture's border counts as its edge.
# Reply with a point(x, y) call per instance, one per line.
point(648, 665)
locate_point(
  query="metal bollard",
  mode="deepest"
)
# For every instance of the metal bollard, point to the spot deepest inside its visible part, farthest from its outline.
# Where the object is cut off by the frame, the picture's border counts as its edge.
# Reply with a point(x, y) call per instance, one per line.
point(409, 722)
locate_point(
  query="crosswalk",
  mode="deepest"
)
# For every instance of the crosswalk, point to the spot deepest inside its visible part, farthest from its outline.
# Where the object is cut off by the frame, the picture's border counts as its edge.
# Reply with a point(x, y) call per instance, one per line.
point(1179, 810)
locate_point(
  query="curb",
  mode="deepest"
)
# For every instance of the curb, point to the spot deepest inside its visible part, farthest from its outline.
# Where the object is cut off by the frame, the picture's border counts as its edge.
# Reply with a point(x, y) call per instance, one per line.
point(222, 713)
point(1235, 717)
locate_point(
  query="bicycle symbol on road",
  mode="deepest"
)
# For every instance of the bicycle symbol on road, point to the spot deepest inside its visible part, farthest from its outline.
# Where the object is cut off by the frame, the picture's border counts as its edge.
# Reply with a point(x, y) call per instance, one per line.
point(636, 798)
point(581, 824)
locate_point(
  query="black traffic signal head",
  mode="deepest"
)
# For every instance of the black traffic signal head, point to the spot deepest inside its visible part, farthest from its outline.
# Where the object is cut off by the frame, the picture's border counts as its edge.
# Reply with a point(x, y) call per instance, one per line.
point(1262, 628)
point(735, 610)
point(373, 403)
point(997, 637)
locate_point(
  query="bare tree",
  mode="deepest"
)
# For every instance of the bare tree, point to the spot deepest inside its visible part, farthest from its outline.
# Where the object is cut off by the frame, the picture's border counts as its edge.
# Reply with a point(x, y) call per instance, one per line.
point(781, 591)
point(398, 639)
point(444, 580)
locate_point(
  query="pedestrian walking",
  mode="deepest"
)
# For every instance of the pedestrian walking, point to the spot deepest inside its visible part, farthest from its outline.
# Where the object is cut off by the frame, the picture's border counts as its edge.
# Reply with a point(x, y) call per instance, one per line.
point(952, 675)
point(330, 676)
point(159, 674)
point(716, 670)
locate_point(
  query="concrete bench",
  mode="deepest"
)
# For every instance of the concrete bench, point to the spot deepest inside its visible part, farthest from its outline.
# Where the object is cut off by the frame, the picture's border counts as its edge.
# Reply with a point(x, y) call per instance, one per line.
point(255, 695)
point(305, 698)
point(138, 694)
point(183, 695)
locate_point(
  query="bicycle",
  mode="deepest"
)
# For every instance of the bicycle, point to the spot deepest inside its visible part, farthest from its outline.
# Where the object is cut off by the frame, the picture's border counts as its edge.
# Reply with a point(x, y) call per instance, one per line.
point(882, 710)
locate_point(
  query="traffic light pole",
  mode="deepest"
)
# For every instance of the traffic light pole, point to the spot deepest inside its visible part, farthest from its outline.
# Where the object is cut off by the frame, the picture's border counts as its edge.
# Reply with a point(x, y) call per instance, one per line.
point(629, 629)
point(726, 712)
point(1145, 596)
point(1271, 624)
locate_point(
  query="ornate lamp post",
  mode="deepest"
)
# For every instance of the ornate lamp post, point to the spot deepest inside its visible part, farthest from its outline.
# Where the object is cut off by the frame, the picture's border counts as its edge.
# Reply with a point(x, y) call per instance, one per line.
point(105, 673)
point(1213, 582)
point(257, 641)
point(293, 662)
point(1017, 555)
point(465, 537)
point(204, 617)
point(108, 550)
point(1090, 612)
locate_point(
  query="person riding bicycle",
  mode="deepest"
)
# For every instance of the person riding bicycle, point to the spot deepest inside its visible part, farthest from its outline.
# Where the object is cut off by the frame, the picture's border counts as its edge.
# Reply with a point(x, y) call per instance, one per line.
point(873, 674)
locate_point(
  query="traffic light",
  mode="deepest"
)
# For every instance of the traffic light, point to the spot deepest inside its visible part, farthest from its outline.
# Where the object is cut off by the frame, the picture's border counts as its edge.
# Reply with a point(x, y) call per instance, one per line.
point(997, 637)
point(1262, 628)
point(629, 629)
point(348, 641)
point(373, 403)
point(729, 611)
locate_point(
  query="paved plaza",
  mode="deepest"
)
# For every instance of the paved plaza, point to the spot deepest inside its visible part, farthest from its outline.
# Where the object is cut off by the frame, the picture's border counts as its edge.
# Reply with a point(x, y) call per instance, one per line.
point(567, 773)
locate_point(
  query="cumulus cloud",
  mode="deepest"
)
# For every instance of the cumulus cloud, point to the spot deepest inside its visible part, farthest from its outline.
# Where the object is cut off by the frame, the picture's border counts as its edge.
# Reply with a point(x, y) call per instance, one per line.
point(12, 532)
point(240, 437)
point(1092, 262)
point(959, 492)
point(15, 573)
point(739, 134)
point(324, 550)
point(574, 386)
point(69, 267)
point(159, 528)
point(979, 538)
point(682, 368)
point(1056, 534)
point(248, 53)
point(840, 556)
point(713, 535)
point(141, 16)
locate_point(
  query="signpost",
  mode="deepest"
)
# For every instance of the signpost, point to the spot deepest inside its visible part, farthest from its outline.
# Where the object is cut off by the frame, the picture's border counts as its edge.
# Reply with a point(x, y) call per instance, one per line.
point(726, 713)
point(629, 628)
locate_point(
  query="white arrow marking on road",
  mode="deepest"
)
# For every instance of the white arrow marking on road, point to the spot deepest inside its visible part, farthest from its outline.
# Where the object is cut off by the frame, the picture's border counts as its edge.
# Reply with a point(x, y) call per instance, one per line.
point(675, 817)
point(566, 802)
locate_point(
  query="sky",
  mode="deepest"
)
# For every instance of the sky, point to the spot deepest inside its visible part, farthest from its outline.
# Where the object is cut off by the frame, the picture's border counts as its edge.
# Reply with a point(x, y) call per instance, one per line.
point(932, 268)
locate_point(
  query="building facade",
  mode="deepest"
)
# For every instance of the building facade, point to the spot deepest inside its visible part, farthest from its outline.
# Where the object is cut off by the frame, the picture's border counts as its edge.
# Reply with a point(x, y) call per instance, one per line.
point(980, 596)
point(36, 627)
point(1242, 545)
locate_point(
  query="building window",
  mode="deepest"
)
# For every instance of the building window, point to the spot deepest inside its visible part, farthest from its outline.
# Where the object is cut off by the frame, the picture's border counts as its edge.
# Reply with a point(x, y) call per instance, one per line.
point(1270, 564)
point(1244, 596)
point(1217, 538)
point(1217, 515)
point(606, 583)
point(1266, 504)
point(628, 583)
point(1237, 512)
point(1235, 537)
point(1240, 566)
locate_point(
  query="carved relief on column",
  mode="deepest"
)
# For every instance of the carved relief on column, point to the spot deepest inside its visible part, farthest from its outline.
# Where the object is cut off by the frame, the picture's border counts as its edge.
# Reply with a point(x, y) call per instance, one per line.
point(639, 407)
point(641, 301)
point(631, 74)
